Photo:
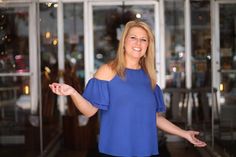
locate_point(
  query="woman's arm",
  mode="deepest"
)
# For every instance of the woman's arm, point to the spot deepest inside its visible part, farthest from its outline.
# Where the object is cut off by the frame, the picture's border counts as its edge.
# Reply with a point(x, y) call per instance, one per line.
point(170, 128)
point(84, 106)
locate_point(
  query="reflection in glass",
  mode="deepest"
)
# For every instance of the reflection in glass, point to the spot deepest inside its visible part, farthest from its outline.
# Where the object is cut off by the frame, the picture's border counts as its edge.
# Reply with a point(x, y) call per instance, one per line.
point(48, 36)
point(201, 66)
point(49, 70)
point(74, 50)
point(228, 52)
point(74, 42)
point(227, 116)
point(14, 48)
point(16, 125)
point(108, 24)
point(175, 44)
point(201, 44)
point(143, 12)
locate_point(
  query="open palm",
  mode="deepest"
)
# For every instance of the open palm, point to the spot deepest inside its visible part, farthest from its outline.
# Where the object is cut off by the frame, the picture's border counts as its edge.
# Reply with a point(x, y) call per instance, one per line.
point(191, 137)
point(62, 89)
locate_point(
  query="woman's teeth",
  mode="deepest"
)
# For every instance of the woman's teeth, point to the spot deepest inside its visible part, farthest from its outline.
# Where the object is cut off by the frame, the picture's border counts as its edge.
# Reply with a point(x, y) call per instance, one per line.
point(136, 49)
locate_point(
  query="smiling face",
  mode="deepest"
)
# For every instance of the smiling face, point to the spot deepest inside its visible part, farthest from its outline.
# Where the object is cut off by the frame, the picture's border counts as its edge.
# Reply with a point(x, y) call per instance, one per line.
point(136, 43)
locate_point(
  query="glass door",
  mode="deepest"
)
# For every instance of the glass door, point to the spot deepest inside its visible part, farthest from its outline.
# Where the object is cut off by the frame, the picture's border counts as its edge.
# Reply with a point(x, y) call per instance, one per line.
point(188, 63)
point(61, 29)
point(108, 20)
point(201, 66)
point(225, 63)
point(18, 81)
point(175, 74)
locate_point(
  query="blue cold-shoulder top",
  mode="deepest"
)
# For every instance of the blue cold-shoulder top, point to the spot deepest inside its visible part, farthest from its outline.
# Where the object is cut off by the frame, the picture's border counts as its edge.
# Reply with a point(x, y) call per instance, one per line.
point(128, 109)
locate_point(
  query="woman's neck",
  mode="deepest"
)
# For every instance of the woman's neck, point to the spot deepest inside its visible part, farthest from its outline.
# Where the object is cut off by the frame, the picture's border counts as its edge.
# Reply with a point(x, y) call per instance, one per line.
point(132, 64)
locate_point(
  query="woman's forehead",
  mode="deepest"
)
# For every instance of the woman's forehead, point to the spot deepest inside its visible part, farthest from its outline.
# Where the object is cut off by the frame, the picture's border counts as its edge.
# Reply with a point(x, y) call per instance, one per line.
point(138, 31)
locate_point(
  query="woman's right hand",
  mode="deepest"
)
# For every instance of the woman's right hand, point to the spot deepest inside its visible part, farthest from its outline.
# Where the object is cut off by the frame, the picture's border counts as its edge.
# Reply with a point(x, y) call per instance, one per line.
point(62, 89)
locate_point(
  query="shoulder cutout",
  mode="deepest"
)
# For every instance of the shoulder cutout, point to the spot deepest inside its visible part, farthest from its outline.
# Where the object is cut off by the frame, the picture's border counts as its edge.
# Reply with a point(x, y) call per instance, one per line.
point(104, 73)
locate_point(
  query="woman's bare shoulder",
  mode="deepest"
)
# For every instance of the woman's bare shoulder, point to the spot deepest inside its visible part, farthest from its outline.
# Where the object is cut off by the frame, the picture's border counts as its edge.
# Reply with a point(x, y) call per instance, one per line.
point(105, 72)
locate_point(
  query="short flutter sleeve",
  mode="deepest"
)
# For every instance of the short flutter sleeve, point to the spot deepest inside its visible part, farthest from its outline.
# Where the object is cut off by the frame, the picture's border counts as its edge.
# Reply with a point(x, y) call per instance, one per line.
point(159, 99)
point(97, 93)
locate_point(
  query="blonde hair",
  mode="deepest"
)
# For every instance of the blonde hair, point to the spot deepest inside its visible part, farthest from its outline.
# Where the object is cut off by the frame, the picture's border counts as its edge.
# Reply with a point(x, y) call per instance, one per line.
point(146, 62)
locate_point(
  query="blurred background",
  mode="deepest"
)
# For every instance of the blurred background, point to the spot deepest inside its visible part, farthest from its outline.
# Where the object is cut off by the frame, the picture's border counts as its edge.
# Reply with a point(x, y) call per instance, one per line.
point(43, 41)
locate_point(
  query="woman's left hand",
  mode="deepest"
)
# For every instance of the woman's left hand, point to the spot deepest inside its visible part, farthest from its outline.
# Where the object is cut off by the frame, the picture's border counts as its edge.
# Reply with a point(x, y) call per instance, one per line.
point(191, 137)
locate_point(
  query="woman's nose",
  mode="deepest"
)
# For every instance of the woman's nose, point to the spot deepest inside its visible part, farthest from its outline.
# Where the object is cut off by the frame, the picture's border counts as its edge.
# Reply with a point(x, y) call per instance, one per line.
point(138, 41)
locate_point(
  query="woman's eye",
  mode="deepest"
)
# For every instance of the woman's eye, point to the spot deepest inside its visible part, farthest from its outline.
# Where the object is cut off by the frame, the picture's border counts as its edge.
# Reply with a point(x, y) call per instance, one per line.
point(132, 37)
point(144, 40)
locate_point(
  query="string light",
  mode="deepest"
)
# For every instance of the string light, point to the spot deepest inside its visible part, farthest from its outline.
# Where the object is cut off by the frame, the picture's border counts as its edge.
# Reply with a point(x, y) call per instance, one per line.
point(47, 35)
point(49, 5)
point(55, 41)
point(221, 87)
point(26, 89)
point(55, 5)
point(138, 15)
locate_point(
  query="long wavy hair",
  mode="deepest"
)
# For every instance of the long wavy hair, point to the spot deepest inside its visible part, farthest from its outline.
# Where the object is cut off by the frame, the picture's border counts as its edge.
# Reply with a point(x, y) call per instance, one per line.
point(146, 62)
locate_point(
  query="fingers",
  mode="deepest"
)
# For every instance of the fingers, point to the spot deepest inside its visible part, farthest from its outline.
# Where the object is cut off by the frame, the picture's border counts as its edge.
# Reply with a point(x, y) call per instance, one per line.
point(195, 132)
point(200, 144)
point(193, 136)
point(57, 88)
point(195, 141)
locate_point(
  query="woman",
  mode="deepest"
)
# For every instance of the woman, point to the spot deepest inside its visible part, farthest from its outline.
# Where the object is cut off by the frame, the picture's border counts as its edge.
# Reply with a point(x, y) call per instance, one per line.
point(125, 92)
